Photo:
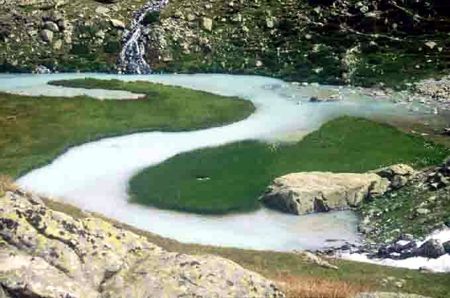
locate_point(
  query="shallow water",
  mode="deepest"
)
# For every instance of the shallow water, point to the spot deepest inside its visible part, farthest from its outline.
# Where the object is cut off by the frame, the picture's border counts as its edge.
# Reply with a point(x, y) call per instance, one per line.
point(95, 175)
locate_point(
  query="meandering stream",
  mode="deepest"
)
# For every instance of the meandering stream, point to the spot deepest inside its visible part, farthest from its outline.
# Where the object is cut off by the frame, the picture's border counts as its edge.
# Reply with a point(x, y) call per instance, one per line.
point(95, 175)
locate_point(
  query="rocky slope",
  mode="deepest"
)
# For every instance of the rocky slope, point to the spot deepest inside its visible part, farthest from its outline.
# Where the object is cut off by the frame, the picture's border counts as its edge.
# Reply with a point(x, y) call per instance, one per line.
point(334, 41)
point(340, 41)
point(45, 253)
point(63, 35)
point(418, 208)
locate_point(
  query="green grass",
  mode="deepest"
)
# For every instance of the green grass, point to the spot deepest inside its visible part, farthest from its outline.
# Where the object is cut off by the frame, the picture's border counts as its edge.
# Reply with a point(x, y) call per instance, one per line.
point(35, 130)
point(238, 173)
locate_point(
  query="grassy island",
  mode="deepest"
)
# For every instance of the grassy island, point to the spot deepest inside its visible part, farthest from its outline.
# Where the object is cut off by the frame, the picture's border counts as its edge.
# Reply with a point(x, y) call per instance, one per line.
point(230, 178)
point(37, 129)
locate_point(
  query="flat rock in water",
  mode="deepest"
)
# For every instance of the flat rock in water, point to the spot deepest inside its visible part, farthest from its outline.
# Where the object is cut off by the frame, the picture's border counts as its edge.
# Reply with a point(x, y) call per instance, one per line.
point(302, 193)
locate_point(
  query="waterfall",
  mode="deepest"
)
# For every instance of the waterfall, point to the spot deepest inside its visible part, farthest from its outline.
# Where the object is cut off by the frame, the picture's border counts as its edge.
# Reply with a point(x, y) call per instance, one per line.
point(131, 58)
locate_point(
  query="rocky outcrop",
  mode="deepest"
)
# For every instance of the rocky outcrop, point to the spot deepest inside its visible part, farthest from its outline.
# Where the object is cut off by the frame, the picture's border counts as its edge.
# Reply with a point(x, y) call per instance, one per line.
point(398, 174)
point(302, 193)
point(45, 253)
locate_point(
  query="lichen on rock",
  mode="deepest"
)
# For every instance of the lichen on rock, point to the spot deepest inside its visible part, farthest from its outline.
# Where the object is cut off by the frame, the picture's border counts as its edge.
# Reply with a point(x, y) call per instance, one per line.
point(45, 253)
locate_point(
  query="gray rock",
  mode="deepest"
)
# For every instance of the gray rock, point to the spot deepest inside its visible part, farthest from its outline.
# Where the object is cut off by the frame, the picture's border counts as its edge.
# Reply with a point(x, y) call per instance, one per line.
point(302, 193)
point(398, 174)
point(191, 17)
point(46, 35)
point(430, 249)
point(41, 69)
point(422, 211)
point(51, 26)
point(45, 253)
point(118, 24)
point(102, 10)
point(446, 246)
point(207, 24)
point(62, 24)
point(270, 23)
point(58, 45)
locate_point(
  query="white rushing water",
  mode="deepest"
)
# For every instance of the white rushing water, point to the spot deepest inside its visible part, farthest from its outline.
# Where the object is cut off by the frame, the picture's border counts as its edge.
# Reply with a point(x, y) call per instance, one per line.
point(441, 264)
point(95, 175)
point(131, 58)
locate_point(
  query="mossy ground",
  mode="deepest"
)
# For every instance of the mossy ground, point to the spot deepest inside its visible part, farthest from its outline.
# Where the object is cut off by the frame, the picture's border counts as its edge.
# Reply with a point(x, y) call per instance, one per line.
point(232, 177)
point(35, 130)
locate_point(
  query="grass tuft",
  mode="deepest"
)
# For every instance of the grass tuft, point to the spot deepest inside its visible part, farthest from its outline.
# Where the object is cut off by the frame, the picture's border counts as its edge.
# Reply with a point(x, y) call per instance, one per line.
point(295, 286)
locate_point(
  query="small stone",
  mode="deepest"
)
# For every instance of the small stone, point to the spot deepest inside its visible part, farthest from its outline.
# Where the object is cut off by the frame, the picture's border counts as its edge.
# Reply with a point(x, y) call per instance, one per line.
point(422, 211)
point(431, 44)
point(207, 24)
point(46, 35)
point(446, 246)
point(118, 24)
point(51, 26)
point(269, 23)
point(57, 45)
point(100, 34)
point(102, 10)
point(41, 69)
point(63, 24)
point(191, 17)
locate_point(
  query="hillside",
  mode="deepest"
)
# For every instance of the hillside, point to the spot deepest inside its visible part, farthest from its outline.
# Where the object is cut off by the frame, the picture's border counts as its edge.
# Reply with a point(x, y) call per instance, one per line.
point(343, 41)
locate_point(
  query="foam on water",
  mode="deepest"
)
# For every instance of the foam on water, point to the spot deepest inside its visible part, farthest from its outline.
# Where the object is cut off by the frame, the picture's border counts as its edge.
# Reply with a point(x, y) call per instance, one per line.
point(95, 175)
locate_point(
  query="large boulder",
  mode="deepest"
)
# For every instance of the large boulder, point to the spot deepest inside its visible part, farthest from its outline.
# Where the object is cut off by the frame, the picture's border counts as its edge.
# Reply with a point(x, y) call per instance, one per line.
point(45, 253)
point(302, 193)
